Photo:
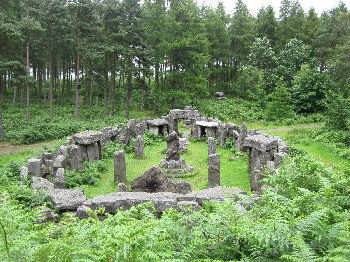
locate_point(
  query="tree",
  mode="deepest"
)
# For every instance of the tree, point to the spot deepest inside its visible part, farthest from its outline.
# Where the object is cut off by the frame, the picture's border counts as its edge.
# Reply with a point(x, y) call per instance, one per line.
point(266, 24)
point(242, 32)
point(216, 24)
point(309, 90)
point(338, 112)
point(279, 104)
point(291, 58)
point(291, 21)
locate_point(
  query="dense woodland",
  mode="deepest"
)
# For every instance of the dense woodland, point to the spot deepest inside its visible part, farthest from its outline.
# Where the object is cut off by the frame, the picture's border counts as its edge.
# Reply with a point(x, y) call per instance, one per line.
point(170, 52)
point(73, 65)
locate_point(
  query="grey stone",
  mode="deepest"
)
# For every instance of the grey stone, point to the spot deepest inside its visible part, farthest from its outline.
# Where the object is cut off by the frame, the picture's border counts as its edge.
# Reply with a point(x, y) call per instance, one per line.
point(34, 166)
point(59, 178)
point(83, 212)
point(48, 215)
point(60, 161)
point(39, 183)
point(183, 143)
point(87, 137)
point(93, 151)
point(154, 180)
point(75, 157)
point(119, 168)
point(67, 199)
point(122, 187)
point(173, 146)
point(261, 142)
point(139, 147)
point(222, 134)
point(124, 200)
point(157, 122)
point(211, 131)
point(243, 132)
point(23, 172)
point(211, 146)
point(185, 206)
point(213, 170)
point(210, 124)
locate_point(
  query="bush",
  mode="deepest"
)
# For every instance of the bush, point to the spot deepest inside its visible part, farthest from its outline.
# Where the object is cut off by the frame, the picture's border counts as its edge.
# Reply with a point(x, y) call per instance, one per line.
point(338, 113)
point(279, 105)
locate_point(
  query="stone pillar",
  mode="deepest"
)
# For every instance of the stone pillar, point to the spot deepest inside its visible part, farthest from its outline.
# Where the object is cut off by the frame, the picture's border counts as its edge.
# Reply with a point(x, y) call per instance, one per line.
point(139, 147)
point(75, 158)
point(173, 146)
point(119, 168)
point(243, 132)
point(211, 146)
point(34, 167)
point(222, 135)
point(211, 131)
point(213, 170)
point(59, 178)
point(93, 152)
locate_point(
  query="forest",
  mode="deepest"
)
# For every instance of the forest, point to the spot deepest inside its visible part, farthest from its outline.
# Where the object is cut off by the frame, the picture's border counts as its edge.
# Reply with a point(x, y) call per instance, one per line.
point(68, 66)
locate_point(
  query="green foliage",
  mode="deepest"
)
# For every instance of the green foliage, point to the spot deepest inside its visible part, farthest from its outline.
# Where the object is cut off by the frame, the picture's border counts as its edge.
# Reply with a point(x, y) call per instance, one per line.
point(90, 174)
point(309, 90)
point(338, 112)
point(279, 105)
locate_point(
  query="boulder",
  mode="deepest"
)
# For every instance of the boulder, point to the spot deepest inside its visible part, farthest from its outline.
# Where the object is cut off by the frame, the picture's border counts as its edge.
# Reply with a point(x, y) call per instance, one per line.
point(154, 180)
point(48, 215)
point(83, 212)
point(39, 183)
point(75, 157)
point(67, 199)
point(59, 161)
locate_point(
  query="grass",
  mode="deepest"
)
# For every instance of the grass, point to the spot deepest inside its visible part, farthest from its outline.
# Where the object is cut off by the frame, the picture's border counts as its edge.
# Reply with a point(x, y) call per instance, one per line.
point(322, 152)
point(234, 173)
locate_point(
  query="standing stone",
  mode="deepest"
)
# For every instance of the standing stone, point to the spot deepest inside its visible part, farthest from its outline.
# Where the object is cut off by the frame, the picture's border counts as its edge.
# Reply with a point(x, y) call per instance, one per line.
point(34, 166)
point(75, 158)
point(139, 147)
point(243, 132)
point(59, 178)
point(93, 152)
point(173, 147)
point(211, 146)
point(222, 135)
point(214, 170)
point(119, 168)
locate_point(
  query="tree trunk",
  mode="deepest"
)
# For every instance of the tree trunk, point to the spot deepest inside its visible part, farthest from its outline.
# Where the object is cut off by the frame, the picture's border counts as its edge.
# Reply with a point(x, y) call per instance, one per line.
point(51, 85)
point(27, 83)
point(77, 89)
point(129, 93)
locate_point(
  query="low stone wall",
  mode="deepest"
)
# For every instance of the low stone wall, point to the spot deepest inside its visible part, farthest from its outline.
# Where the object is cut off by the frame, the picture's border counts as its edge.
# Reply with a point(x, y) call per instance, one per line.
point(264, 151)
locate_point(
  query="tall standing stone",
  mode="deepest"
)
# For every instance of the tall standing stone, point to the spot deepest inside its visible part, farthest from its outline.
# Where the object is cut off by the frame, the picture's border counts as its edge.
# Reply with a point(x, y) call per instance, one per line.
point(139, 147)
point(243, 132)
point(173, 147)
point(119, 168)
point(211, 146)
point(34, 166)
point(59, 178)
point(213, 170)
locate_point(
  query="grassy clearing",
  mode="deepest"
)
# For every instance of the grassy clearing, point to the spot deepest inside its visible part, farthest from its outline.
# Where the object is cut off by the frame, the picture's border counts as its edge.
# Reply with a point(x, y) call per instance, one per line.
point(325, 153)
point(234, 173)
